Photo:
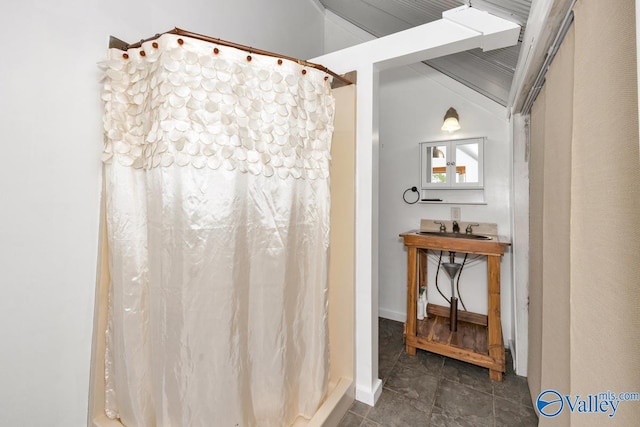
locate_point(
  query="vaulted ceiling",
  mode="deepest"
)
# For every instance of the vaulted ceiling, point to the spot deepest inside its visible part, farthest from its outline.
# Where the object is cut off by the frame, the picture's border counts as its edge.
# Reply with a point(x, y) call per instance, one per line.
point(489, 73)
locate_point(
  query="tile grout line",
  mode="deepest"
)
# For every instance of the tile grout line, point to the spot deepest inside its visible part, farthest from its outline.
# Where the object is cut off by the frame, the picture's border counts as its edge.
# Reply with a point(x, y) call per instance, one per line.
point(435, 395)
point(470, 387)
point(493, 400)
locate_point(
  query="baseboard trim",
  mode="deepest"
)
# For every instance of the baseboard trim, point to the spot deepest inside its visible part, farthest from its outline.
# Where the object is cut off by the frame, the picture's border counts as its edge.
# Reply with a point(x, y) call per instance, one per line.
point(392, 315)
point(369, 395)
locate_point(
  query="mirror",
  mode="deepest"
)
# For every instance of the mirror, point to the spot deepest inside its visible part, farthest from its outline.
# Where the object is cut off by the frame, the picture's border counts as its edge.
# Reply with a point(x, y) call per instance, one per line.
point(437, 164)
point(467, 163)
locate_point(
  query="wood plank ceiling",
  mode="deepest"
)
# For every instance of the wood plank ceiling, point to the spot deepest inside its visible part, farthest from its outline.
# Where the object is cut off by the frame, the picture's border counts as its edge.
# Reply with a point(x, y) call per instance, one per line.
point(489, 73)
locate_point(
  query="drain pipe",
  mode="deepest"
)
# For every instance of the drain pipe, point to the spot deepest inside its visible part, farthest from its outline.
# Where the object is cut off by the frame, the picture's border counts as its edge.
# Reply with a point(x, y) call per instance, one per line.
point(452, 268)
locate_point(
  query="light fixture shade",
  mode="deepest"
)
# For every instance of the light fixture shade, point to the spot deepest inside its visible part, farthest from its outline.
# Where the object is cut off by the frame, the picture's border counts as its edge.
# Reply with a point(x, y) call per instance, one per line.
point(451, 123)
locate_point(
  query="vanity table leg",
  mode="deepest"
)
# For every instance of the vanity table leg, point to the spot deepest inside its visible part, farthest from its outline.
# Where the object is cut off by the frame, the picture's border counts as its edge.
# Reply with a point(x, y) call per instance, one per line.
point(496, 346)
point(412, 258)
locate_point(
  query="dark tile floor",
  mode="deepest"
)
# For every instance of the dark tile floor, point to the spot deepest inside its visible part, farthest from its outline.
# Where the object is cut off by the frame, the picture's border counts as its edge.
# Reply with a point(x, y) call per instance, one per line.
point(431, 390)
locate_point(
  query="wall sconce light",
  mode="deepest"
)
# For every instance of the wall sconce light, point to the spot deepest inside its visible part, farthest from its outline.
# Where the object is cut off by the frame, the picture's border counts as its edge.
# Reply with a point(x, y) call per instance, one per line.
point(451, 123)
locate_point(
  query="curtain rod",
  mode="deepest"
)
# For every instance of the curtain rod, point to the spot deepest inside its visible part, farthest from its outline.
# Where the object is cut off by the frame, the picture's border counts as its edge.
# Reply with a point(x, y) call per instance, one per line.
point(181, 32)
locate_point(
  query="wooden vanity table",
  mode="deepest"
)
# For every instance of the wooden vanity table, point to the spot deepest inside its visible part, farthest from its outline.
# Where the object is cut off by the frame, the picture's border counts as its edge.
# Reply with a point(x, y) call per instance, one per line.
point(478, 339)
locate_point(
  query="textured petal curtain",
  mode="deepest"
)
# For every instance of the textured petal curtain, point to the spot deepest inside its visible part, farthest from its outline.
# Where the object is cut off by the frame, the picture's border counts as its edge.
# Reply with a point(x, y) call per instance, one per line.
point(217, 195)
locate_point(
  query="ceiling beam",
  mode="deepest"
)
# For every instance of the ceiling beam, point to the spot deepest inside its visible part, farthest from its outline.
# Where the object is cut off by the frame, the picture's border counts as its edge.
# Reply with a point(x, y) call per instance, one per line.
point(496, 32)
point(461, 29)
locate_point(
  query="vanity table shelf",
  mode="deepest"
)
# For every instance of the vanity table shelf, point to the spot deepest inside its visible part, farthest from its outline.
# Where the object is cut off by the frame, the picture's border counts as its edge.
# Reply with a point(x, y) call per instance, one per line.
point(478, 339)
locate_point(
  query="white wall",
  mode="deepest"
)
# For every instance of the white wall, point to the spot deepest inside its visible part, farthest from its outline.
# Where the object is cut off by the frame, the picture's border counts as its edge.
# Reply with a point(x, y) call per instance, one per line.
point(340, 34)
point(413, 101)
point(50, 122)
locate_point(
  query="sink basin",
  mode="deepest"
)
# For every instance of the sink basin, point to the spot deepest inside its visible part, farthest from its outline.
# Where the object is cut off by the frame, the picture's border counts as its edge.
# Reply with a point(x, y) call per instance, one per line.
point(455, 235)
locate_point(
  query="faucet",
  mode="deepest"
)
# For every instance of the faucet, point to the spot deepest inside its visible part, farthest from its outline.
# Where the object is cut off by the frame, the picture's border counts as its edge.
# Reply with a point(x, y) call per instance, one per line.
point(456, 227)
point(469, 230)
point(443, 228)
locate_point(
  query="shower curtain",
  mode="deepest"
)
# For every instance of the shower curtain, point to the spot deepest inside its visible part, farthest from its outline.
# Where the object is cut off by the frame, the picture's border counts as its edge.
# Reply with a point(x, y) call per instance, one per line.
point(217, 198)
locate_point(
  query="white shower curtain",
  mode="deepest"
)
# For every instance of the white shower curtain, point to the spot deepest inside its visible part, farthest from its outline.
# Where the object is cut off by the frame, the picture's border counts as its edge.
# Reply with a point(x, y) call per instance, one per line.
point(217, 196)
